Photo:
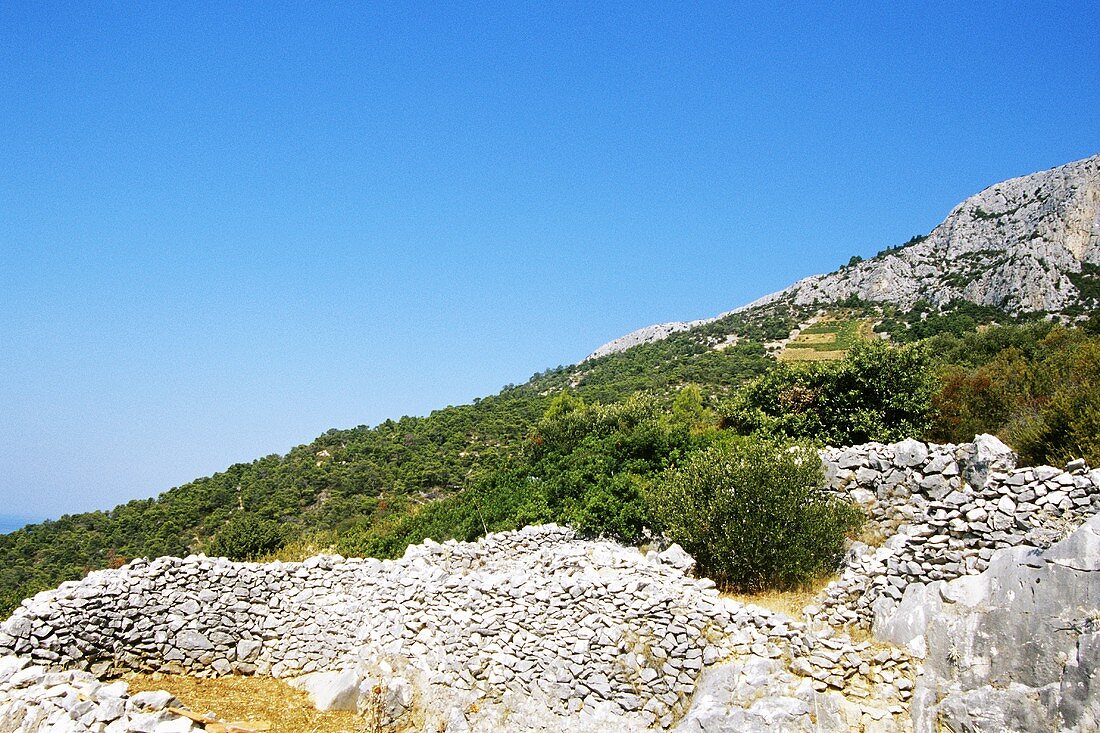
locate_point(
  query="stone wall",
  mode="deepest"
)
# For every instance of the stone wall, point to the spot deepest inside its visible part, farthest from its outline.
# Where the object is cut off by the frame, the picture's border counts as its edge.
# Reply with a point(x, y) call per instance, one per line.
point(536, 628)
point(940, 511)
point(534, 610)
point(35, 699)
point(541, 629)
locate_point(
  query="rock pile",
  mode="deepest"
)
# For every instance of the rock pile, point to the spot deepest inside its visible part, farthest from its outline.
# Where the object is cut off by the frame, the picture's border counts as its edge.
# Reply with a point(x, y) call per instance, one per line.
point(945, 510)
point(33, 698)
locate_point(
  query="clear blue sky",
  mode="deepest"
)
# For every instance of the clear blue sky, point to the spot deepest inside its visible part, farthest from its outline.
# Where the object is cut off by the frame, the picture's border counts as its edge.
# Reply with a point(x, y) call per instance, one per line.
point(227, 228)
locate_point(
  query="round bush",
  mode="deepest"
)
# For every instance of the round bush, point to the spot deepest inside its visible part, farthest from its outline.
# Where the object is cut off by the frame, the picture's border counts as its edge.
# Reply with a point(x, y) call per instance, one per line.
point(247, 537)
point(755, 515)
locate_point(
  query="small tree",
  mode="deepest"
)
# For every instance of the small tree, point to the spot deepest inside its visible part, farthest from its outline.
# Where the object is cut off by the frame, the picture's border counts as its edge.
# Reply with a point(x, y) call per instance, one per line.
point(247, 537)
point(755, 514)
point(688, 408)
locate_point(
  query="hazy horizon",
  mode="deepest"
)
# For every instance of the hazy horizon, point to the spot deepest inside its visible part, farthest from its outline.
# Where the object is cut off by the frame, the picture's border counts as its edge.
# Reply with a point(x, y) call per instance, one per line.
point(11, 522)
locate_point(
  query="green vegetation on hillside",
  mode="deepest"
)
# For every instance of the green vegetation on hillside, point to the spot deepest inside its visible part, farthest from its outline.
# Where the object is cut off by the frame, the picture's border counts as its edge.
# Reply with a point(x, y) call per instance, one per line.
point(878, 392)
point(593, 444)
point(1036, 386)
point(586, 465)
point(1087, 282)
point(925, 320)
point(341, 478)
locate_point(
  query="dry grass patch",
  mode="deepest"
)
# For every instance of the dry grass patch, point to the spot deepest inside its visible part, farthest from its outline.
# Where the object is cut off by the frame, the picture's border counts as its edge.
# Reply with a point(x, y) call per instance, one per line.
point(867, 330)
point(805, 354)
point(250, 698)
point(813, 338)
point(790, 602)
point(828, 338)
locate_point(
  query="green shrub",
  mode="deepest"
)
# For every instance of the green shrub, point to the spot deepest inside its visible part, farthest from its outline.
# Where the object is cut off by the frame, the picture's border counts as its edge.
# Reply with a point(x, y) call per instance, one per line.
point(594, 462)
point(878, 392)
point(247, 537)
point(1067, 425)
point(754, 514)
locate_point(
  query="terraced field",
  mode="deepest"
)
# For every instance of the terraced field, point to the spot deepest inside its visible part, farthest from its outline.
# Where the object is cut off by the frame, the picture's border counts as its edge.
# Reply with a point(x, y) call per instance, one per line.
point(827, 339)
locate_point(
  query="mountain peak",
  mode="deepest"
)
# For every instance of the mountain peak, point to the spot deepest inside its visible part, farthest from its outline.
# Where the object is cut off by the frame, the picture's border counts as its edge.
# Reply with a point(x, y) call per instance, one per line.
point(1018, 245)
point(1012, 246)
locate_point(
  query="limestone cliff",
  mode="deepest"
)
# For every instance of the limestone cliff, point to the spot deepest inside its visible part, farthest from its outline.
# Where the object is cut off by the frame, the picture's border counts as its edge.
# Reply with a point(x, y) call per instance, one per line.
point(1022, 245)
point(1012, 246)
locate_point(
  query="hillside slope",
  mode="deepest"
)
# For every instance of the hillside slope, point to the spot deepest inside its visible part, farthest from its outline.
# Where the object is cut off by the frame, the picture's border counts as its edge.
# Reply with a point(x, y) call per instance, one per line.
point(358, 486)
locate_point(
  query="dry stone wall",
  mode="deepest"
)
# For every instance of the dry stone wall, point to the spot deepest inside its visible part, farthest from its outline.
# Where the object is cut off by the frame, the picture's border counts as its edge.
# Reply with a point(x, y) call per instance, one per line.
point(542, 630)
point(534, 610)
point(943, 511)
point(535, 629)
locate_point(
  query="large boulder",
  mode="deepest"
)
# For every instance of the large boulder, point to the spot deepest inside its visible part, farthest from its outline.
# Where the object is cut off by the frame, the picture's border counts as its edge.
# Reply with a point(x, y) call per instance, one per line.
point(910, 453)
point(984, 456)
point(331, 690)
point(1016, 648)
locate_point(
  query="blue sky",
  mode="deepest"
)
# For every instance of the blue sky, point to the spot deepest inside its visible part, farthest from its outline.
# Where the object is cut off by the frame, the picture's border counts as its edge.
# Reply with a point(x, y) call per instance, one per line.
point(226, 228)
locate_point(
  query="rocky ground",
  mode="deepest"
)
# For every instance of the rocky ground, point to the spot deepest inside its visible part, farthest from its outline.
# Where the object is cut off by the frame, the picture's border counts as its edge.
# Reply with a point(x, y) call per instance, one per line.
point(541, 630)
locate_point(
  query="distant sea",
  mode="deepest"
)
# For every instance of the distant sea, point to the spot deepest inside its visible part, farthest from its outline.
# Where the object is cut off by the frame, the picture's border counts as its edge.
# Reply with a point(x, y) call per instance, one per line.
point(10, 523)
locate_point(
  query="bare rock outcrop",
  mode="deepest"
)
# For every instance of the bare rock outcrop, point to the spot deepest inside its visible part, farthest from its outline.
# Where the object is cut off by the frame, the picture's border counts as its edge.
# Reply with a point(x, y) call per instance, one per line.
point(1012, 246)
point(1016, 246)
point(645, 335)
point(1016, 648)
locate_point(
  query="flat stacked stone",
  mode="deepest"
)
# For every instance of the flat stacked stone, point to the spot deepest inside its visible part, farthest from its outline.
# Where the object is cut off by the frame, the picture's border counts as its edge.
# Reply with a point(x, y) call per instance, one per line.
point(944, 509)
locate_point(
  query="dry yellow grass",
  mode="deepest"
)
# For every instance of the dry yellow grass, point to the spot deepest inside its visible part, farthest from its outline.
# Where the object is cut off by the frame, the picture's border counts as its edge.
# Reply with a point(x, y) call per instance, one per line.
point(790, 602)
point(797, 354)
point(828, 338)
point(814, 338)
point(250, 698)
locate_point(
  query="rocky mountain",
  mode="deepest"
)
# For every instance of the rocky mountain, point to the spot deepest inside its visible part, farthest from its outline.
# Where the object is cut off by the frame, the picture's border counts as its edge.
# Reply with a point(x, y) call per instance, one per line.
point(1028, 244)
point(645, 335)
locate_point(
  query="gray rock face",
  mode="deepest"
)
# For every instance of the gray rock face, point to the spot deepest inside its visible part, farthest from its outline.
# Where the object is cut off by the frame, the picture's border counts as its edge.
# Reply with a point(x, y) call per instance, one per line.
point(1016, 648)
point(986, 454)
point(1012, 246)
point(645, 335)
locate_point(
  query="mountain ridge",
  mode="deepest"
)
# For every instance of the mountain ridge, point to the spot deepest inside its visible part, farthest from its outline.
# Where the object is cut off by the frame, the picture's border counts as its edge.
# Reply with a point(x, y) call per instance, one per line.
point(1026, 244)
